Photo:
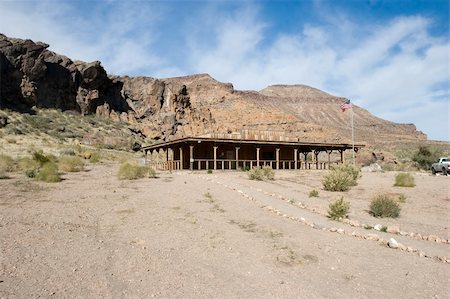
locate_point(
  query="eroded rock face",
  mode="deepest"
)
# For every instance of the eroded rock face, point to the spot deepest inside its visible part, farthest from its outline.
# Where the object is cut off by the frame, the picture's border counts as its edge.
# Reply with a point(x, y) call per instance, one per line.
point(31, 75)
point(34, 76)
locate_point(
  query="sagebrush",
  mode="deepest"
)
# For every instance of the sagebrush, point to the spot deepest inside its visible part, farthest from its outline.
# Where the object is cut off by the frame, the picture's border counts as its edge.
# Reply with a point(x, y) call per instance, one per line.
point(314, 193)
point(7, 164)
point(384, 205)
point(404, 180)
point(338, 209)
point(341, 178)
point(70, 164)
point(258, 174)
point(128, 171)
point(48, 173)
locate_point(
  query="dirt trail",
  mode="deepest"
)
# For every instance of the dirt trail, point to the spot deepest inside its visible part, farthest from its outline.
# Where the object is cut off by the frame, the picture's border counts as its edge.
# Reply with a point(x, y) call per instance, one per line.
point(196, 235)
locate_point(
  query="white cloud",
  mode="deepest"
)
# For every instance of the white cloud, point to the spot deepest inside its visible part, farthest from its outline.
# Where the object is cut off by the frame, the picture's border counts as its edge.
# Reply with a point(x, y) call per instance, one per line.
point(388, 68)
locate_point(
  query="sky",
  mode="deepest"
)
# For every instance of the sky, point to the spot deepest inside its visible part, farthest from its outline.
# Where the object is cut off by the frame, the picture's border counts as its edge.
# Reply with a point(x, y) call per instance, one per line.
point(390, 57)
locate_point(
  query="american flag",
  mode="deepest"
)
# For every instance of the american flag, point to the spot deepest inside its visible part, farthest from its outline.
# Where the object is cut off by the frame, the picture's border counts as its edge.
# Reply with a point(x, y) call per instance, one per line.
point(346, 105)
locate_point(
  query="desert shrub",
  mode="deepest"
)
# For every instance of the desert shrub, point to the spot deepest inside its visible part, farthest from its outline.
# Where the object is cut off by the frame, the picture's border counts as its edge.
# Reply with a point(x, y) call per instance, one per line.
point(341, 178)
point(129, 171)
point(402, 198)
point(337, 180)
point(209, 171)
point(7, 163)
point(353, 171)
point(256, 174)
point(29, 167)
point(246, 168)
point(338, 209)
point(48, 173)
point(268, 173)
point(424, 157)
point(41, 158)
point(384, 206)
point(314, 193)
point(404, 180)
point(70, 164)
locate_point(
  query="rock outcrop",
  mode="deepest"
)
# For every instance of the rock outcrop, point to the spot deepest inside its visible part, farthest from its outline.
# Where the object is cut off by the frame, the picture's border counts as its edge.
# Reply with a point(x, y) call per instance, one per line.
point(31, 75)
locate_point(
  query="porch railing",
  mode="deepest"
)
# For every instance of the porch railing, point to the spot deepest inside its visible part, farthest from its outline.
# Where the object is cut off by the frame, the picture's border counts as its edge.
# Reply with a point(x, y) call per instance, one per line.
point(226, 164)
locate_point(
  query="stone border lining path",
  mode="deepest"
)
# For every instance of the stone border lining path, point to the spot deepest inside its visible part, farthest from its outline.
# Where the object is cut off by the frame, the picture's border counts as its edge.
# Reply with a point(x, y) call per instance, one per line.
point(391, 243)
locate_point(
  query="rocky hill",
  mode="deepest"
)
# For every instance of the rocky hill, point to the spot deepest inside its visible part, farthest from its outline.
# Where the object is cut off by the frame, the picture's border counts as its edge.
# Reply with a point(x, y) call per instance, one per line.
point(31, 75)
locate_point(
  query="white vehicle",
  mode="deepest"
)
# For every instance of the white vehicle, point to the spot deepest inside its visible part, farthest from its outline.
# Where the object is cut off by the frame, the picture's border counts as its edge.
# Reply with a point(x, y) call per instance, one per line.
point(442, 165)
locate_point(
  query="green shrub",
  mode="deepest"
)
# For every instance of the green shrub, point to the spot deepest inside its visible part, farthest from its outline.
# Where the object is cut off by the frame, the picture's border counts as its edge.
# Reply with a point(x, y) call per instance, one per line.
point(338, 209)
point(48, 173)
point(41, 158)
point(314, 193)
point(70, 164)
point(340, 178)
point(402, 198)
point(6, 165)
point(404, 180)
point(424, 157)
point(268, 173)
point(129, 171)
point(29, 167)
point(209, 171)
point(256, 174)
point(384, 206)
point(337, 180)
point(353, 171)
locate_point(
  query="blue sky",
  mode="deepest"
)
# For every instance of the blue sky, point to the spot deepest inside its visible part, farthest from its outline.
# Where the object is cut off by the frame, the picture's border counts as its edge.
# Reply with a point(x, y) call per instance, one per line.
point(389, 57)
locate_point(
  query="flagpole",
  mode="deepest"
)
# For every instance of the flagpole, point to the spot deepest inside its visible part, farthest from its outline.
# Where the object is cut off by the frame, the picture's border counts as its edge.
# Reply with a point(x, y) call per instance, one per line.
point(353, 140)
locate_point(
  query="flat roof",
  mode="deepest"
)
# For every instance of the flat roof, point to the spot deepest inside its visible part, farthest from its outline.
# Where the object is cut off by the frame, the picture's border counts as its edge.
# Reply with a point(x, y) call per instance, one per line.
point(311, 145)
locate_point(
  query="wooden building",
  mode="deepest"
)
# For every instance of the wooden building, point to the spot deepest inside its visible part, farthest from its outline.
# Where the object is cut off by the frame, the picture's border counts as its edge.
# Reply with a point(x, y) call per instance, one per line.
point(243, 150)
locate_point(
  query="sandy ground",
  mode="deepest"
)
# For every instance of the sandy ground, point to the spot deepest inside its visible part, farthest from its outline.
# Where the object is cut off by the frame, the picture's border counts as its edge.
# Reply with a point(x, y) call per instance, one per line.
point(220, 235)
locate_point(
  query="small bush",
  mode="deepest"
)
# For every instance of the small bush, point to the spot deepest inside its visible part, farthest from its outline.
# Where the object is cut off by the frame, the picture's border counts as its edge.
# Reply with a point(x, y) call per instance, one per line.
point(40, 158)
point(402, 198)
point(129, 171)
point(48, 173)
point(209, 171)
point(269, 173)
point(338, 209)
point(6, 165)
point(246, 168)
point(341, 178)
point(70, 164)
point(314, 193)
point(384, 206)
point(404, 180)
point(256, 174)
point(337, 180)
point(29, 167)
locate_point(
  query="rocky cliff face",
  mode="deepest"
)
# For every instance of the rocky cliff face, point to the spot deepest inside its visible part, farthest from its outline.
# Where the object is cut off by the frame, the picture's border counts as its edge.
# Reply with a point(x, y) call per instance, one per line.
point(31, 75)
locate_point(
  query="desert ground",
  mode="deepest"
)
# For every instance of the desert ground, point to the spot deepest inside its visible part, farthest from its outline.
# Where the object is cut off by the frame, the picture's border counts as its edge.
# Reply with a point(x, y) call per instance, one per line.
point(220, 235)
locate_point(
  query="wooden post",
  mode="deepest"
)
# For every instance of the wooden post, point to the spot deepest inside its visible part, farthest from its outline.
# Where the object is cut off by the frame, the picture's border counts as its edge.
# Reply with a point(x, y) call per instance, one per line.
point(295, 158)
point(257, 156)
point(341, 151)
point(215, 157)
point(329, 158)
point(191, 157)
point(277, 154)
point(316, 155)
point(237, 157)
point(181, 157)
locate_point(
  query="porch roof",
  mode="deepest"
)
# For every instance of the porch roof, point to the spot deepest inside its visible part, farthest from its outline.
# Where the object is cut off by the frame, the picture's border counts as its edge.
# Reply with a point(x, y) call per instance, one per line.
point(321, 146)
